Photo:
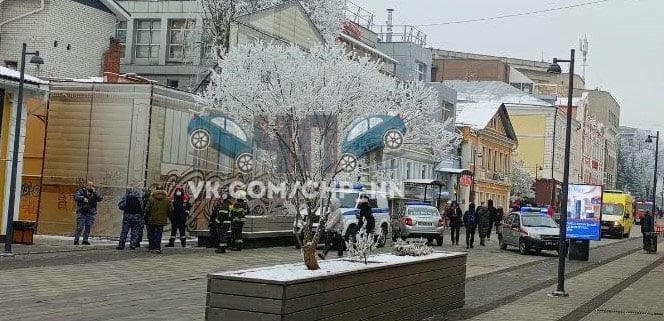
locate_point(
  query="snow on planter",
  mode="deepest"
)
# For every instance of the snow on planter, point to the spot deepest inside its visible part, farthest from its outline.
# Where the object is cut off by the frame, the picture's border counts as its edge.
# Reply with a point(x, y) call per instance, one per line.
point(388, 288)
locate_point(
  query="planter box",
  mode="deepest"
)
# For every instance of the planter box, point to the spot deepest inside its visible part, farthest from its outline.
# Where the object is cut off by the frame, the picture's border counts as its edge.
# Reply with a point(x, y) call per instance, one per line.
point(390, 288)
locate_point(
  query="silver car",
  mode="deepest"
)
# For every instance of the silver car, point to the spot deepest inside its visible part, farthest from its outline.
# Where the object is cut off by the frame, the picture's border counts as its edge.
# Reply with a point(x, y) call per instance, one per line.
point(529, 231)
point(419, 220)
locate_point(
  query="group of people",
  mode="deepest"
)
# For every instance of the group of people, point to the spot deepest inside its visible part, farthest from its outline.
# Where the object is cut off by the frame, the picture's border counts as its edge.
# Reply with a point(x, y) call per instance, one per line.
point(480, 219)
point(226, 222)
point(153, 209)
point(334, 225)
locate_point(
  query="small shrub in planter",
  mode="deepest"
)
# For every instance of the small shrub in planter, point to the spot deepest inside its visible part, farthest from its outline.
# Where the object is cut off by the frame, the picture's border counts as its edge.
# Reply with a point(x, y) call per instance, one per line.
point(414, 248)
point(363, 246)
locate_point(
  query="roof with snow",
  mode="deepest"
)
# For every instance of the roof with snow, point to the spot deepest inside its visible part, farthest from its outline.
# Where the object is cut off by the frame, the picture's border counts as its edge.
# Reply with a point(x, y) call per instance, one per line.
point(15, 75)
point(493, 91)
point(477, 116)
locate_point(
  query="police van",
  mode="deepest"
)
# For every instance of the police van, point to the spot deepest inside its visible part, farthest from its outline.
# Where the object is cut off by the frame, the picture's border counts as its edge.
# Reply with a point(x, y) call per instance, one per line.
point(349, 199)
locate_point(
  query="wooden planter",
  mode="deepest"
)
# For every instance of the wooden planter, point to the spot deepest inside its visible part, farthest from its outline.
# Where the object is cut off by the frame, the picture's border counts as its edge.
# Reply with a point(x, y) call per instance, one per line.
point(413, 290)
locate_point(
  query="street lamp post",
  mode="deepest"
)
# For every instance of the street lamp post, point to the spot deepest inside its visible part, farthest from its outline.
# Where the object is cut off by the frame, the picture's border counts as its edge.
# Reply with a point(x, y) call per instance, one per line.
point(654, 180)
point(555, 68)
point(36, 59)
point(472, 186)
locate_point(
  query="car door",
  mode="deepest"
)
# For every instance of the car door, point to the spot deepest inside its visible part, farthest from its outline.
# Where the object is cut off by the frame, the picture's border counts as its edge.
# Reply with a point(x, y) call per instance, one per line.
point(506, 229)
point(515, 226)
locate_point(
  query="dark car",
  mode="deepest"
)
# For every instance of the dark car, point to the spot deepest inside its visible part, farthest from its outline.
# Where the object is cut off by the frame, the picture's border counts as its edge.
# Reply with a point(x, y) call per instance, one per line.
point(224, 135)
point(369, 134)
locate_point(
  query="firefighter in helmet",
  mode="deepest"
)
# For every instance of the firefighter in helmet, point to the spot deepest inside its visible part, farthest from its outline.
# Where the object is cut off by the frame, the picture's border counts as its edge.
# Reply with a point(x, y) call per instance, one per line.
point(220, 224)
point(238, 212)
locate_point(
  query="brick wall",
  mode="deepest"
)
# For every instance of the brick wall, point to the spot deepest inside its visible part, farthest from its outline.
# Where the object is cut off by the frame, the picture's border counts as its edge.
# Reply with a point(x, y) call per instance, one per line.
point(470, 69)
point(81, 32)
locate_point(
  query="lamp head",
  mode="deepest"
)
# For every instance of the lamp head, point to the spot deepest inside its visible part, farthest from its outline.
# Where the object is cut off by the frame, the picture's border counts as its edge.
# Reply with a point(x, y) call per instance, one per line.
point(649, 139)
point(36, 59)
point(554, 68)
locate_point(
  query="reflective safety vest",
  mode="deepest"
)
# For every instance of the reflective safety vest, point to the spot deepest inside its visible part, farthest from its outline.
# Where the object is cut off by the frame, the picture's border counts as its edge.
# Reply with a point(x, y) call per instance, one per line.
point(238, 214)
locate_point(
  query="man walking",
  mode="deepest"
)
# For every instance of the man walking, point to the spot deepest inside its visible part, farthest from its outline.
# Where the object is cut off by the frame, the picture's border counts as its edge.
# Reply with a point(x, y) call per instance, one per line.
point(86, 210)
point(470, 221)
point(158, 210)
point(493, 217)
point(647, 229)
point(132, 207)
point(484, 222)
point(454, 219)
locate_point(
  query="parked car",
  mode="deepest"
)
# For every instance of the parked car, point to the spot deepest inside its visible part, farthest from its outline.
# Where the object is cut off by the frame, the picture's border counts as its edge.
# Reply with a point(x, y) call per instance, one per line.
point(224, 135)
point(529, 229)
point(368, 134)
point(419, 220)
point(349, 198)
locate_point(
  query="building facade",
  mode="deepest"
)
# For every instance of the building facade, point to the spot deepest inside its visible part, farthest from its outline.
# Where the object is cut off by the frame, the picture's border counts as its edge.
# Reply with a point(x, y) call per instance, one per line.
point(60, 30)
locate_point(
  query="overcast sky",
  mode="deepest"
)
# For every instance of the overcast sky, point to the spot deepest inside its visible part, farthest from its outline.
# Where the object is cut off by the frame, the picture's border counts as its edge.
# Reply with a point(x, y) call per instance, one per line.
point(626, 41)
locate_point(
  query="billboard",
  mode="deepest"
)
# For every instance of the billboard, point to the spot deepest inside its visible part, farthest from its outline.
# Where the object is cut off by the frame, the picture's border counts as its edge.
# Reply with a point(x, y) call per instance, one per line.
point(584, 203)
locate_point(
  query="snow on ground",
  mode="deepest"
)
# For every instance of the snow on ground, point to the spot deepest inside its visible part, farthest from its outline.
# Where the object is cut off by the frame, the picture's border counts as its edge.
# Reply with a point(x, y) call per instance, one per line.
point(297, 271)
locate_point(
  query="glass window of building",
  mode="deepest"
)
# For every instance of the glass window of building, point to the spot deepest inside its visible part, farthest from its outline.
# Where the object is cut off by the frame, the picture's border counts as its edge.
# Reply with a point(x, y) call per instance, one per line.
point(180, 44)
point(148, 33)
point(121, 35)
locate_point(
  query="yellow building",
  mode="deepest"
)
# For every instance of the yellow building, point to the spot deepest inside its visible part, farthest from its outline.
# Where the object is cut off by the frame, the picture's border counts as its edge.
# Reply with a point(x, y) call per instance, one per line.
point(29, 159)
point(488, 142)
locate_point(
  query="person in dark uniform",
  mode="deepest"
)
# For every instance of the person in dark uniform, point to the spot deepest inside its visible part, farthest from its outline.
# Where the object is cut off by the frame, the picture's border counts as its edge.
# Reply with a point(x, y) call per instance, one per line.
point(220, 224)
point(86, 211)
point(132, 207)
point(365, 216)
point(181, 210)
point(238, 212)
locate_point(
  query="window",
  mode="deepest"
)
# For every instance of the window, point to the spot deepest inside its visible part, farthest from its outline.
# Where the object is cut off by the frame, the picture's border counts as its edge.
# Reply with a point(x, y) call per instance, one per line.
point(180, 44)
point(172, 83)
point(424, 171)
point(148, 33)
point(393, 166)
point(407, 170)
point(235, 130)
point(420, 70)
point(446, 110)
point(121, 35)
point(488, 160)
point(483, 157)
point(374, 121)
point(11, 64)
point(495, 159)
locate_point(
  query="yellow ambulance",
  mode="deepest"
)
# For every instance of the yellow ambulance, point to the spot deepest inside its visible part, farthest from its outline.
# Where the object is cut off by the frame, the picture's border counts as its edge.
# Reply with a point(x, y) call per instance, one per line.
point(617, 213)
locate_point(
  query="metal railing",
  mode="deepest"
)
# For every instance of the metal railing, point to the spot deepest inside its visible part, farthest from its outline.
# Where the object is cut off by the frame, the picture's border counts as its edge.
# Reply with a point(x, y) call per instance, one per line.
point(359, 15)
point(401, 33)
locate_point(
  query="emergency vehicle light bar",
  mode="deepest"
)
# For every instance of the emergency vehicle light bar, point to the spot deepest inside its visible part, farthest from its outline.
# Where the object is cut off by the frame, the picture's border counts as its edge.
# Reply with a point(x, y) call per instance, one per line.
point(534, 210)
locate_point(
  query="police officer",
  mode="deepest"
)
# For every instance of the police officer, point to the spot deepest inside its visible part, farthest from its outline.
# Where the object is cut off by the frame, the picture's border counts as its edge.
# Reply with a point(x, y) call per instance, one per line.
point(86, 201)
point(220, 224)
point(238, 212)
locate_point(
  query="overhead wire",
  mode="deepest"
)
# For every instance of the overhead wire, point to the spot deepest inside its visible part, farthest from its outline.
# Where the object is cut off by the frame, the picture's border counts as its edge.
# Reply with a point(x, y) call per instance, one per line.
point(512, 15)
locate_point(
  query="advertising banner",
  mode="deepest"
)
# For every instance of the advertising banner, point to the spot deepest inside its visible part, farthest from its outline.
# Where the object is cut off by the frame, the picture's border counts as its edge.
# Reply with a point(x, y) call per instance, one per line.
point(584, 203)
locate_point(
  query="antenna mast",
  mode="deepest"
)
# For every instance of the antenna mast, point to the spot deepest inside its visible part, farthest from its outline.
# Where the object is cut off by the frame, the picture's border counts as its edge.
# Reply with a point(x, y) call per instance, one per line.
point(583, 47)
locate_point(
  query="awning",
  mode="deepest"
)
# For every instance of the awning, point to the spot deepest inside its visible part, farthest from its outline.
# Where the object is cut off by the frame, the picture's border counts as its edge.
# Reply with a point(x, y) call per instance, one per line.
point(453, 170)
point(368, 48)
point(422, 181)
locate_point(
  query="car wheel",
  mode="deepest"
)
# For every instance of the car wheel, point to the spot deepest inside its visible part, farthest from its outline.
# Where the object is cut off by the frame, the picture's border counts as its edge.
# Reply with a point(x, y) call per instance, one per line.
point(439, 241)
point(348, 162)
point(382, 239)
point(523, 247)
point(501, 242)
point(199, 139)
point(244, 162)
point(393, 139)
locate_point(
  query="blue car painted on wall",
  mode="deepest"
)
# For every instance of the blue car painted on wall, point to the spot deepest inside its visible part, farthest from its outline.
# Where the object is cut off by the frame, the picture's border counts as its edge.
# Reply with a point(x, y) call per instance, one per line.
point(368, 134)
point(224, 135)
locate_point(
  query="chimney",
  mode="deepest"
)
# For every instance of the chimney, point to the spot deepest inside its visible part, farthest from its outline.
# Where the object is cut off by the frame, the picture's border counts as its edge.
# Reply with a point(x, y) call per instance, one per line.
point(388, 36)
point(111, 64)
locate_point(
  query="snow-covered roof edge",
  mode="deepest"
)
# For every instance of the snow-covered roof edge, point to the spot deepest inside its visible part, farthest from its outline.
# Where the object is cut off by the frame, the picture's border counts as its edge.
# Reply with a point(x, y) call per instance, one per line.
point(16, 75)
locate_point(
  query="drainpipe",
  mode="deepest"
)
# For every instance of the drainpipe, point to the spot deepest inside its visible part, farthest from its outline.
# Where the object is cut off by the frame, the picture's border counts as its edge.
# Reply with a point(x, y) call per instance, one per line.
point(41, 8)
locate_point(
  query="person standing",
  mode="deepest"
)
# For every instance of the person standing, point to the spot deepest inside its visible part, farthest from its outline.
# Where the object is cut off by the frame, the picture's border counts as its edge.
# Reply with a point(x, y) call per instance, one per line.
point(493, 217)
point(334, 227)
point(181, 210)
point(454, 218)
point(500, 215)
point(365, 216)
point(238, 212)
point(470, 222)
point(86, 210)
point(132, 207)
point(158, 209)
point(647, 228)
point(220, 224)
point(484, 222)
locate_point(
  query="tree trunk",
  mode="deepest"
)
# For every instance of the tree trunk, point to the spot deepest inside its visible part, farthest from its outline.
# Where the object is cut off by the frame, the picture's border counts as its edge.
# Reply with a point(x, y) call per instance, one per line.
point(309, 253)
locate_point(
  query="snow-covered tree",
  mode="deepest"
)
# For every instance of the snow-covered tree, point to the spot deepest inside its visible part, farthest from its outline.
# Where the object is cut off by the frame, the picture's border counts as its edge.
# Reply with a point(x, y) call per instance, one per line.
point(522, 181)
point(361, 247)
point(301, 104)
point(636, 165)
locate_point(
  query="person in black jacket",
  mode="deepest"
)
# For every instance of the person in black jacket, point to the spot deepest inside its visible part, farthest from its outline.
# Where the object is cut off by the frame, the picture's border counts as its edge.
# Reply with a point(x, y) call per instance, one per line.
point(454, 219)
point(181, 210)
point(470, 220)
point(365, 215)
point(493, 216)
point(647, 228)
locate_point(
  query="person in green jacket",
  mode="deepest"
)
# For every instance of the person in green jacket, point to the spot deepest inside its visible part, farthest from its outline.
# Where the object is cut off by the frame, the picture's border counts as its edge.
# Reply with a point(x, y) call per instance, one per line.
point(157, 212)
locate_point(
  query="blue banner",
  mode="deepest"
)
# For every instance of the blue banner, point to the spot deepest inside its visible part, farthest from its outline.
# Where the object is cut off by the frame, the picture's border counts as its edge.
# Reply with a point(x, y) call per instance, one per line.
point(583, 229)
point(584, 203)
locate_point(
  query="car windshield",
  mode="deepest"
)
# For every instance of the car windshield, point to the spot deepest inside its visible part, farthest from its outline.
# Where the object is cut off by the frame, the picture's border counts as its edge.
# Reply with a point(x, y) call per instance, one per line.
point(358, 129)
point(537, 221)
point(235, 130)
point(612, 209)
point(423, 211)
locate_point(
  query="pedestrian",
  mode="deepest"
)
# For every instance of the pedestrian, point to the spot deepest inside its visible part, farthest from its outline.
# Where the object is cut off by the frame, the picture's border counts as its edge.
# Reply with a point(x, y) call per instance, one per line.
point(86, 210)
point(454, 218)
point(132, 207)
point(220, 224)
point(145, 193)
point(500, 215)
point(365, 216)
point(484, 222)
point(238, 212)
point(647, 229)
point(493, 217)
point(157, 211)
point(470, 222)
point(334, 227)
point(181, 210)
